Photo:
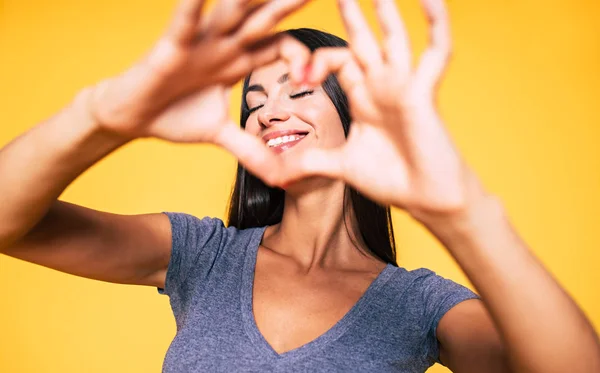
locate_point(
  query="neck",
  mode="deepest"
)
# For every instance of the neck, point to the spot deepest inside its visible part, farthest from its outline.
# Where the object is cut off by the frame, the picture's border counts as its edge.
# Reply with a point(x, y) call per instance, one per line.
point(312, 231)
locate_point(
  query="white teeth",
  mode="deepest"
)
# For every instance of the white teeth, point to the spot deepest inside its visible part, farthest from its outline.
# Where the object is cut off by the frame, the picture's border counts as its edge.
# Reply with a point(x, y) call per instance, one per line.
point(283, 139)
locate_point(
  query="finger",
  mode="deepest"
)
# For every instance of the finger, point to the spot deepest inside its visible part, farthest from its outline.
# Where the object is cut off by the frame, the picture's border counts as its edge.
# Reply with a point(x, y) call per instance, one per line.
point(279, 46)
point(261, 22)
point(227, 94)
point(341, 62)
point(362, 40)
point(396, 43)
point(435, 59)
point(252, 153)
point(185, 21)
point(285, 47)
point(229, 14)
point(313, 162)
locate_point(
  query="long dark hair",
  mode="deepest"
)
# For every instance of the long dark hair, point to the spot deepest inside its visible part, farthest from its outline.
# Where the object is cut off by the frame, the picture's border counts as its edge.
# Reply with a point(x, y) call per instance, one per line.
point(254, 204)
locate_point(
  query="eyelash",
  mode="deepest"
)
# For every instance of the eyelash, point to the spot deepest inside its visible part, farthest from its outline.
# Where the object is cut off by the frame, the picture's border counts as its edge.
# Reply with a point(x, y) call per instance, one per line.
point(297, 95)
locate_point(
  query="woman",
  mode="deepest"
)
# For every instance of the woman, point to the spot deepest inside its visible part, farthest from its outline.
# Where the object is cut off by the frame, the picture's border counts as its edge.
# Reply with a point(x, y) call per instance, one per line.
point(351, 309)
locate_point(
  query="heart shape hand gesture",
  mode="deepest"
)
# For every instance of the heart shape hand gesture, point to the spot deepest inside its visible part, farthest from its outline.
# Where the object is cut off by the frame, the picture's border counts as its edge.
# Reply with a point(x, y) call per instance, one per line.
point(179, 91)
point(398, 151)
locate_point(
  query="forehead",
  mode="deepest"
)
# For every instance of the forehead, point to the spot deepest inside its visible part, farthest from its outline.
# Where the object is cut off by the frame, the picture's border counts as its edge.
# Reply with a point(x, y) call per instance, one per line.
point(268, 74)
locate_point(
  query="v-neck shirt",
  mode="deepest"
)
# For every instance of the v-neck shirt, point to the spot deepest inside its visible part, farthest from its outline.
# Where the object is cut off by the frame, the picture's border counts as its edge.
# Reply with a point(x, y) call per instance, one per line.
point(210, 278)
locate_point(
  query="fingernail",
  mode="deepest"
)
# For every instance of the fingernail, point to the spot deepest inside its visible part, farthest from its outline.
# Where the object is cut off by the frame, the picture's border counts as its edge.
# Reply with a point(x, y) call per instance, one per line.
point(306, 78)
point(298, 74)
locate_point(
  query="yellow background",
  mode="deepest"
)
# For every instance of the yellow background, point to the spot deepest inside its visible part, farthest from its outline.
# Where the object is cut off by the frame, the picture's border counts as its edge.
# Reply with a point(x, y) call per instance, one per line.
point(520, 100)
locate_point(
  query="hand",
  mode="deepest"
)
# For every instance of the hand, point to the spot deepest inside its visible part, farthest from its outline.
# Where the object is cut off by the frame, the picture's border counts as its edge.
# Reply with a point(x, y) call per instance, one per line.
point(398, 151)
point(178, 92)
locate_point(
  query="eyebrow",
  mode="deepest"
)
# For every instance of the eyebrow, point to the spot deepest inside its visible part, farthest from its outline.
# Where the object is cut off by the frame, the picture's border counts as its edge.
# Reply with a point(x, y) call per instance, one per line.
point(259, 88)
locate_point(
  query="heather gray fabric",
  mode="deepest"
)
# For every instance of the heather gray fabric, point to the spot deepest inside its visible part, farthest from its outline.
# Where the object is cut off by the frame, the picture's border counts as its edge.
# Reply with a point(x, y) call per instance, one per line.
point(209, 282)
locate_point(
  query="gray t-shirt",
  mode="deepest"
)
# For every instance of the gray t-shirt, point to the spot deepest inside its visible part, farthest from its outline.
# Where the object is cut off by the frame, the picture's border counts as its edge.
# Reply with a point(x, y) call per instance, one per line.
point(392, 327)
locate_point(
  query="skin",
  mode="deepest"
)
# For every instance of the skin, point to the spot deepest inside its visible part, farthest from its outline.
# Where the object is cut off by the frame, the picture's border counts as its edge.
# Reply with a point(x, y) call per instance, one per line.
point(515, 326)
point(308, 272)
point(395, 118)
point(525, 322)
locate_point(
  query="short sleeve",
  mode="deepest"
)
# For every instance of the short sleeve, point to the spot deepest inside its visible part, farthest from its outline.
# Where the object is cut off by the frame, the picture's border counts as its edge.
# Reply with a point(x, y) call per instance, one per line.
point(194, 248)
point(438, 295)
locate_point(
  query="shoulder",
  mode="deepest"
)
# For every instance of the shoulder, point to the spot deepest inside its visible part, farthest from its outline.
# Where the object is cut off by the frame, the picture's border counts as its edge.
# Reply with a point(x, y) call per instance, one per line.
point(421, 279)
point(192, 236)
point(183, 221)
point(204, 246)
point(416, 280)
point(425, 293)
point(422, 297)
point(188, 227)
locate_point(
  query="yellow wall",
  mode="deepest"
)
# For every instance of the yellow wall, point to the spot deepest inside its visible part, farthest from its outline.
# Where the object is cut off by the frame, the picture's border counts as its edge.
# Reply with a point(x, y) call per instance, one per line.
point(520, 100)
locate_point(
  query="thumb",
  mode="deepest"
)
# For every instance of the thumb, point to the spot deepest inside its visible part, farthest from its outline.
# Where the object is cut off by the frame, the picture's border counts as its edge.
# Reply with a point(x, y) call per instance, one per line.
point(227, 94)
point(252, 153)
point(313, 162)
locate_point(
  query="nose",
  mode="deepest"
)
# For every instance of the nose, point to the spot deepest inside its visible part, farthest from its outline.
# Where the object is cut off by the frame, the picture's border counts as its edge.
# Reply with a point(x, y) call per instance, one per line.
point(272, 113)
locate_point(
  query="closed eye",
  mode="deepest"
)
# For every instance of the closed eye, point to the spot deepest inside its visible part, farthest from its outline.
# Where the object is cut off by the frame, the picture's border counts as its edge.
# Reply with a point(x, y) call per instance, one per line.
point(252, 110)
point(302, 94)
point(294, 96)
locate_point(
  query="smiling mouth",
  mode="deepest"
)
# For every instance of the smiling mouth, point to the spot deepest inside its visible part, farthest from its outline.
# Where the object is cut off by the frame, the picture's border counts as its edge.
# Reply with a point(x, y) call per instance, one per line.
point(280, 144)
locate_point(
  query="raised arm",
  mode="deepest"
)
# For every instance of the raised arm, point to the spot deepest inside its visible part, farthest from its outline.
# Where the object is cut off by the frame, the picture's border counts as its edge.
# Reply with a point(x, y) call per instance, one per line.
point(178, 92)
point(38, 228)
point(399, 153)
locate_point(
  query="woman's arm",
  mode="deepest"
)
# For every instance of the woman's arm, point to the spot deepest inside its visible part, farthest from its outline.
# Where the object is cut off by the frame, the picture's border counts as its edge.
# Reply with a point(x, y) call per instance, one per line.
point(35, 168)
point(178, 92)
point(543, 330)
point(399, 153)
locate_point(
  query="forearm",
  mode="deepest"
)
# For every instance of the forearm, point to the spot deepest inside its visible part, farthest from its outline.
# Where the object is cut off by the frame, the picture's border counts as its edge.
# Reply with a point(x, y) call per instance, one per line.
point(36, 167)
point(542, 327)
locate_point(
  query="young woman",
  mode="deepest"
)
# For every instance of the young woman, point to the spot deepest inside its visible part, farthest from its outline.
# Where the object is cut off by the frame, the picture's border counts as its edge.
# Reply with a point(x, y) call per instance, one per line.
point(304, 278)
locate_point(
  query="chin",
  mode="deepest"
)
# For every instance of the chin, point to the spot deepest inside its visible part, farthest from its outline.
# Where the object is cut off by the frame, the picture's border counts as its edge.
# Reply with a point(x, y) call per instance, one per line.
point(308, 185)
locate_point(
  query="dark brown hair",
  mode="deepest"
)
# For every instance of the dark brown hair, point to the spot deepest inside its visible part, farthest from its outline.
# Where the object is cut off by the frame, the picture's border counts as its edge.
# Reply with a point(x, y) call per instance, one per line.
point(254, 204)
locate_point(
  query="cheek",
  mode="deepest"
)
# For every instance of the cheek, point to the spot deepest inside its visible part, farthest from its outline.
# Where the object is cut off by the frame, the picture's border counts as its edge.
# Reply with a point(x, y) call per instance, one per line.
point(329, 127)
point(337, 131)
point(323, 117)
point(252, 126)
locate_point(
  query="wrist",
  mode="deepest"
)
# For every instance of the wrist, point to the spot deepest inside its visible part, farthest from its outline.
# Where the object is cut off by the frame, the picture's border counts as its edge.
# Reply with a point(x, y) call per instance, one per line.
point(82, 107)
point(479, 206)
point(467, 222)
point(81, 132)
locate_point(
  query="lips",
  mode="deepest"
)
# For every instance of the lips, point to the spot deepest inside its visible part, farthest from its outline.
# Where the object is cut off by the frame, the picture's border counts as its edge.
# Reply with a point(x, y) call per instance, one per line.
point(281, 133)
point(286, 145)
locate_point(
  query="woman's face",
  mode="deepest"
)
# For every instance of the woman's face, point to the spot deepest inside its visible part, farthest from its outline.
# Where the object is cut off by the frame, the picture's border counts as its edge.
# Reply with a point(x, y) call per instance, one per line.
point(288, 118)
